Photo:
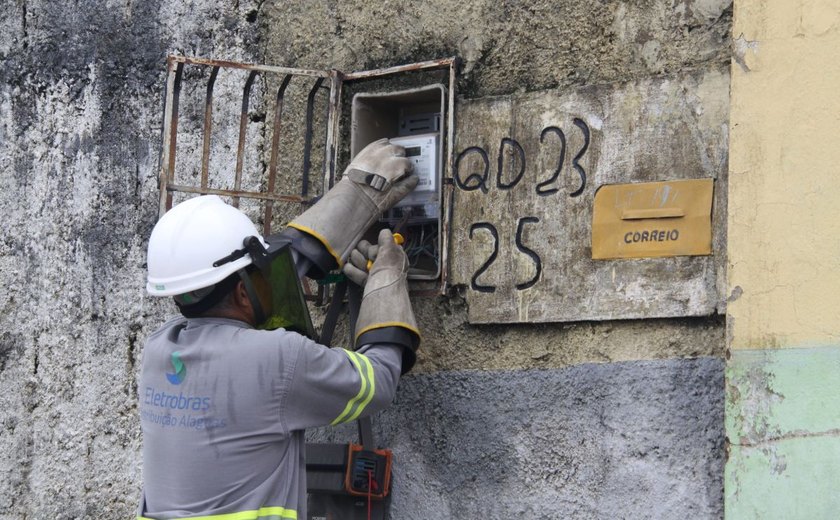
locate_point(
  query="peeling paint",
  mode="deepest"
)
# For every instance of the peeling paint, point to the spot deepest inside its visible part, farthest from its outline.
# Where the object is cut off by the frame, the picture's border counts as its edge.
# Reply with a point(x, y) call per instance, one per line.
point(736, 293)
point(743, 51)
point(775, 399)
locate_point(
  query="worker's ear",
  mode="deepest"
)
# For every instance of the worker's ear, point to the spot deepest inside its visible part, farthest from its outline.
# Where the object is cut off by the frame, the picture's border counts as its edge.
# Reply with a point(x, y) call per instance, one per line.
point(240, 297)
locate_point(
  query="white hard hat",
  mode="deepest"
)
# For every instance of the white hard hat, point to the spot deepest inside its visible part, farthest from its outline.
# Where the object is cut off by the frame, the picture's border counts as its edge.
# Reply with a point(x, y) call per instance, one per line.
point(189, 238)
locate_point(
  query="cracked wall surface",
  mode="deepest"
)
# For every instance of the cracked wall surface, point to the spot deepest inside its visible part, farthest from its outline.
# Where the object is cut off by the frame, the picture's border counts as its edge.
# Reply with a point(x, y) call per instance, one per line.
point(782, 330)
point(614, 416)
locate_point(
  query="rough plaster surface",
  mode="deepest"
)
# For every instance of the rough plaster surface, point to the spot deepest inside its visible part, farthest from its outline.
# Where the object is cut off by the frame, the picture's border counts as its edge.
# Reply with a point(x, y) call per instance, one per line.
point(619, 440)
point(80, 100)
point(782, 432)
point(507, 46)
point(449, 342)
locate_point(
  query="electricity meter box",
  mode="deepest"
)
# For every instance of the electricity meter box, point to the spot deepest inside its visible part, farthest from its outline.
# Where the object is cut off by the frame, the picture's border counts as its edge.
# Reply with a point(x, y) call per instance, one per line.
point(413, 119)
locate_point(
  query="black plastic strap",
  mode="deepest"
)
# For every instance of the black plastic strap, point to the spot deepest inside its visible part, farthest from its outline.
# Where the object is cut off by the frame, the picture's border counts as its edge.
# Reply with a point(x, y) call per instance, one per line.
point(251, 246)
point(236, 255)
point(259, 313)
point(333, 313)
point(354, 301)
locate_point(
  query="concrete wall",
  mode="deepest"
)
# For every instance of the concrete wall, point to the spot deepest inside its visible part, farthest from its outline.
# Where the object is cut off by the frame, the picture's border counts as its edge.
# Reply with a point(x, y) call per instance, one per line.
point(783, 336)
point(80, 100)
point(576, 420)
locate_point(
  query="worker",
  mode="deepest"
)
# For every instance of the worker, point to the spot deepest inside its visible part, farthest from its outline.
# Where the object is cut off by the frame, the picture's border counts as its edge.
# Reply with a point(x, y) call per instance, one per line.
point(224, 402)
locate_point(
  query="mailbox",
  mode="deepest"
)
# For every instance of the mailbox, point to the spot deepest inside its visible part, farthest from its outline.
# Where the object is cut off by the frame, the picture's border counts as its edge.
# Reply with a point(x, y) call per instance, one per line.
point(653, 219)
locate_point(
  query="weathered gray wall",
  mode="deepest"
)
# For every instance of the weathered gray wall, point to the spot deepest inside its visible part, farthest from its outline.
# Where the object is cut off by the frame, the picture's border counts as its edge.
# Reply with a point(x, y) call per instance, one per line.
point(80, 100)
point(616, 440)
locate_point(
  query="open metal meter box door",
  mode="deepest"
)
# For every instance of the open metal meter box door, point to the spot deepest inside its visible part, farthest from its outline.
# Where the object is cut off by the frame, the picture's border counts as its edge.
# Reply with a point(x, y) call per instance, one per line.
point(411, 104)
point(268, 139)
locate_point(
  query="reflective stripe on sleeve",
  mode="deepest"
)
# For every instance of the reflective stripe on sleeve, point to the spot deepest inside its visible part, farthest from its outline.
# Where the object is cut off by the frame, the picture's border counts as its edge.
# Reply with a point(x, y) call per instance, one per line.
point(263, 513)
point(371, 391)
point(356, 405)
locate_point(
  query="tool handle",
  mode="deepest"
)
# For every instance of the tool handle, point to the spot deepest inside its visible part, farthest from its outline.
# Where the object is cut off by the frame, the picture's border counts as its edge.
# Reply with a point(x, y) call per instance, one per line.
point(398, 238)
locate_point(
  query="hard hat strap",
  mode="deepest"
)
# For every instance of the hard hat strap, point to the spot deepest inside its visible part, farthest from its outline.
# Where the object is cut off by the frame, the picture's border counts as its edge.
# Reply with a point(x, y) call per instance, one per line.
point(216, 294)
point(259, 312)
point(236, 255)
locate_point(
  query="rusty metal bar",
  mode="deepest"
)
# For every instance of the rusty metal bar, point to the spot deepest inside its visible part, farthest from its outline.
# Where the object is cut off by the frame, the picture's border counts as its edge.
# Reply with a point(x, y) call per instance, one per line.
point(248, 66)
point(423, 65)
point(167, 171)
point(275, 146)
point(447, 189)
point(333, 134)
point(307, 143)
point(243, 128)
point(327, 145)
point(233, 193)
point(208, 124)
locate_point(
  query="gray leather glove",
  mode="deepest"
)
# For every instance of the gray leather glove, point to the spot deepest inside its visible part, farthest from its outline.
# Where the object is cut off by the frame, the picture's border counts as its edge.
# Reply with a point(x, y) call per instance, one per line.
point(378, 178)
point(361, 258)
point(386, 315)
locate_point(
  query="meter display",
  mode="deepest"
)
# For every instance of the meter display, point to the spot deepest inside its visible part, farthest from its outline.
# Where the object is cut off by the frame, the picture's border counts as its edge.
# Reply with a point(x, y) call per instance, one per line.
point(416, 216)
point(422, 203)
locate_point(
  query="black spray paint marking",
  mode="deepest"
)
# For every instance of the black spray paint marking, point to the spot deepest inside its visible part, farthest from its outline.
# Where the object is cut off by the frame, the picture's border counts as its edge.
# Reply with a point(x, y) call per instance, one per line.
point(575, 164)
point(501, 163)
point(476, 181)
point(530, 252)
point(548, 130)
point(486, 265)
point(480, 180)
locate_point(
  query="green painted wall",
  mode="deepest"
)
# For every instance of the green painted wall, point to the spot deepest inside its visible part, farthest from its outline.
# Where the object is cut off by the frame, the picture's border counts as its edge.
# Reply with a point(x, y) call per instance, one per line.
point(782, 419)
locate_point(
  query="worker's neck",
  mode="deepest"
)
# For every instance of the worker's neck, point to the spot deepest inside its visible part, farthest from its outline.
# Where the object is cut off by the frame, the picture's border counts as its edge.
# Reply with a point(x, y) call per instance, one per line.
point(233, 314)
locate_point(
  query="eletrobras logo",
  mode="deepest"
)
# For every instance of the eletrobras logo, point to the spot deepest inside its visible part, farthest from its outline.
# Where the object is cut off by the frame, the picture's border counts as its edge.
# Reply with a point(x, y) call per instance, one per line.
point(189, 411)
point(180, 369)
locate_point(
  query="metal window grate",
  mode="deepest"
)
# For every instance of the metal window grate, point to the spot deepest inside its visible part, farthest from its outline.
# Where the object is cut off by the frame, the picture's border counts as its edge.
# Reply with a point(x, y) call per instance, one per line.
point(321, 80)
point(168, 179)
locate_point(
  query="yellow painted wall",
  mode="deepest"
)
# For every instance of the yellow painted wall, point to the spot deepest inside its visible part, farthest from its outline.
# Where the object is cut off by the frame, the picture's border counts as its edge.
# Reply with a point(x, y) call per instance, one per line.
point(784, 184)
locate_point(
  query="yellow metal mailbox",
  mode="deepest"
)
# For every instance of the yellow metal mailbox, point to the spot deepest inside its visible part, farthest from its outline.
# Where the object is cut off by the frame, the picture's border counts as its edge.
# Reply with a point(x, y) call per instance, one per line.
point(653, 219)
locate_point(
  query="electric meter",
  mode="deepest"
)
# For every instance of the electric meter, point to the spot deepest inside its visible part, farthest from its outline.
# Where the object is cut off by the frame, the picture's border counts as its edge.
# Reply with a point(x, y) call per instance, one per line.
point(421, 205)
point(411, 119)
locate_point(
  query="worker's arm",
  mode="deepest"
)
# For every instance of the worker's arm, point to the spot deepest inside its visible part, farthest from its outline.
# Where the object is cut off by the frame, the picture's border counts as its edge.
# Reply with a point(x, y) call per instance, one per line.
point(385, 315)
point(333, 386)
point(377, 178)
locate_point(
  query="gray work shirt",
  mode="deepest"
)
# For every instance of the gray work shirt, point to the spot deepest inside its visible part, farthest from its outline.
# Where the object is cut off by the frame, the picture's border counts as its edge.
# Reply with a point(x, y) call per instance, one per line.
point(223, 408)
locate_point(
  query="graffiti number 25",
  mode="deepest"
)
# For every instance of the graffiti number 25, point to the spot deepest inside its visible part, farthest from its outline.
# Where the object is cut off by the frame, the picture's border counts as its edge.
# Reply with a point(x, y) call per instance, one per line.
point(520, 245)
